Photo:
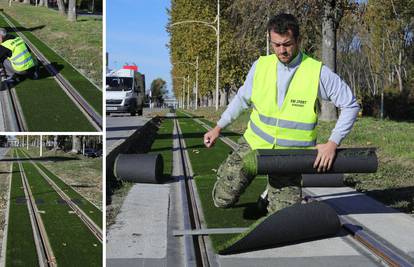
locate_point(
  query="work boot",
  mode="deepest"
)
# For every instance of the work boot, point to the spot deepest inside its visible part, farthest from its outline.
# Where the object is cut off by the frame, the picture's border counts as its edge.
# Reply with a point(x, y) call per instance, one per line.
point(262, 203)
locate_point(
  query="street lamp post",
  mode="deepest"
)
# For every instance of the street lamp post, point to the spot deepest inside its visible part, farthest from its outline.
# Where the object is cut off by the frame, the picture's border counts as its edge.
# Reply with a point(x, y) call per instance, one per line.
point(183, 90)
point(196, 67)
point(217, 30)
point(188, 91)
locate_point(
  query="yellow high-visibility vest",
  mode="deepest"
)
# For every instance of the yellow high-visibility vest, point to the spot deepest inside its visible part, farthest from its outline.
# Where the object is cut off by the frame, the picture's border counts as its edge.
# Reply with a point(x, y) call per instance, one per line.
point(21, 59)
point(294, 124)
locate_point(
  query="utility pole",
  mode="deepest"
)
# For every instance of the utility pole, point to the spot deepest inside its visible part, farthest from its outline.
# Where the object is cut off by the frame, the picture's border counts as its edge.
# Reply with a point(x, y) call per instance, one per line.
point(41, 147)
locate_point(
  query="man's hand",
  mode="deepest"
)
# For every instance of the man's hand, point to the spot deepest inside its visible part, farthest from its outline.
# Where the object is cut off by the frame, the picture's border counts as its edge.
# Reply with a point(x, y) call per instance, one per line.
point(211, 136)
point(325, 157)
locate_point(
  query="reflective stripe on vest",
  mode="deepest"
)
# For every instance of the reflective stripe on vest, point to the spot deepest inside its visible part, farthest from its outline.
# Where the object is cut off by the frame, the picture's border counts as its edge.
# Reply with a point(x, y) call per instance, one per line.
point(285, 123)
point(293, 124)
point(20, 55)
point(21, 59)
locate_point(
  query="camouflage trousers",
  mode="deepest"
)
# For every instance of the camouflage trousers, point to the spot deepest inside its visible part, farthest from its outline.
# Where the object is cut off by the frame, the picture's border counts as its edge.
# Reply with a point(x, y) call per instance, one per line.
point(232, 180)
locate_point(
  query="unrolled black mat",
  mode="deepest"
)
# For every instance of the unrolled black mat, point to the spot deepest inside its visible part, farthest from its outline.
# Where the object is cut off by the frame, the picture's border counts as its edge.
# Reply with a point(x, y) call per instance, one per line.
point(299, 222)
point(139, 168)
point(347, 160)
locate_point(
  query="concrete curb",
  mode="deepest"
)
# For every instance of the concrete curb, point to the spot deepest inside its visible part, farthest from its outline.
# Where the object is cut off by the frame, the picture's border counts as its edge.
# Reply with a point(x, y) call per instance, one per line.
point(6, 214)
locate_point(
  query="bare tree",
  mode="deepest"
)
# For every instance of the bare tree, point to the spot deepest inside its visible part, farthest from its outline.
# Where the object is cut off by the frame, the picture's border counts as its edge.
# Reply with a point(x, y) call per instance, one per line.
point(72, 10)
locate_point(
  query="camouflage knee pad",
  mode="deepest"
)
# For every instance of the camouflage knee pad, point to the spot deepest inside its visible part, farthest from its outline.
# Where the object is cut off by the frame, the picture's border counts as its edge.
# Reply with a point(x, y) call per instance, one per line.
point(283, 191)
point(232, 180)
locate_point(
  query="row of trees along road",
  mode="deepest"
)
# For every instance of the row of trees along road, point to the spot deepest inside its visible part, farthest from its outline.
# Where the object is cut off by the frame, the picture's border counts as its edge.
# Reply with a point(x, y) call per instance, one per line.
point(67, 143)
point(368, 43)
point(70, 5)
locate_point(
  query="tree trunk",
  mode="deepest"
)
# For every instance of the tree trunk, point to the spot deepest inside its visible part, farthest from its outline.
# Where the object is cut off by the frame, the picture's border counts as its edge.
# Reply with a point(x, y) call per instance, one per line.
point(328, 110)
point(210, 99)
point(26, 1)
point(40, 3)
point(72, 10)
point(223, 98)
point(76, 144)
point(55, 143)
point(61, 7)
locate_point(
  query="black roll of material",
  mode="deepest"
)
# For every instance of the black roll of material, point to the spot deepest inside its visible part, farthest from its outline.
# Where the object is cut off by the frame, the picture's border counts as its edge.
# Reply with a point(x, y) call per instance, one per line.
point(296, 223)
point(139, 168)
point(323, 180)
point(347, 160)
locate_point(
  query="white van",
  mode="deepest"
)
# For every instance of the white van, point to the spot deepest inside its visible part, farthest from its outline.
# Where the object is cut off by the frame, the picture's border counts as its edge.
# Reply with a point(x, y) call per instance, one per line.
point(125, 91)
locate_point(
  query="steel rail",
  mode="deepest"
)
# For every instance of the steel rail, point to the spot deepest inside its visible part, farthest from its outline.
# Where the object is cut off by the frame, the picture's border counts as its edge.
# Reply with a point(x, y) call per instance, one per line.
point(12, 113)
point(200, 243)
point(387, 252)
point(93, 117)
point(43, 247)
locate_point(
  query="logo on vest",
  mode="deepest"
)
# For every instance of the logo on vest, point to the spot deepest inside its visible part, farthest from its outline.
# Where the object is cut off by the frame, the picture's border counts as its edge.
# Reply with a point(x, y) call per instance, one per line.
point(298, 103)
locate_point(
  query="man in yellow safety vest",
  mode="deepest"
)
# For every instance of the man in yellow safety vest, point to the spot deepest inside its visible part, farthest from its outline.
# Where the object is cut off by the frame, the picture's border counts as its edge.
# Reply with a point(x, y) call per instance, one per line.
point(16, 57)
point(283, 91)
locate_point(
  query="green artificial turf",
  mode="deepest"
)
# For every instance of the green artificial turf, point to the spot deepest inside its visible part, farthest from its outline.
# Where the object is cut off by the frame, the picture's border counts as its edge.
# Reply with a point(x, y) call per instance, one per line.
point(79, 42)
point(46, 107)
point(224, 132)
point(93, 212)
point(72, 242)
point(21, 249)
point(205, 162)
point(88, 91)
point(163, 145)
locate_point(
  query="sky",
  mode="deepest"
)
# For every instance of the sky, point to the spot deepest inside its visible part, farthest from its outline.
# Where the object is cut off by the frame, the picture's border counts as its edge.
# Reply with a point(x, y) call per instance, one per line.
point(135, 33)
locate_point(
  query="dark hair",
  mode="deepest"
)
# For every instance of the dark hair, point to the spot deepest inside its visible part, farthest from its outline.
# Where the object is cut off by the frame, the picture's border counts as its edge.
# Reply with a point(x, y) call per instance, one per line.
point(282, 23)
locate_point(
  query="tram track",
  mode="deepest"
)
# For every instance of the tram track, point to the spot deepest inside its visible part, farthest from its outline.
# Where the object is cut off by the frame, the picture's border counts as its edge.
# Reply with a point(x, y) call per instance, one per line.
point(56, 231)
point(13, 119)
point(43, 247)
point(88, 111)
point(93, 227)
point(358, 234)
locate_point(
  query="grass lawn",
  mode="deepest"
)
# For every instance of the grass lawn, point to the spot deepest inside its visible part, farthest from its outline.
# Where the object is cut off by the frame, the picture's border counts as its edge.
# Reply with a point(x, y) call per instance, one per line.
point(93, 212)
point(89, 92)
point(80, 42)
point(82, 173)
point(393, 183)
point(21, 249)
point(72, 242)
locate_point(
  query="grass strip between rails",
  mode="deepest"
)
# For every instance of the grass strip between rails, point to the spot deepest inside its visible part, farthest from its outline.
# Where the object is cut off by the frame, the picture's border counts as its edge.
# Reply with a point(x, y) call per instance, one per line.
point(21, 248)
point(93, 212)
point(205, 163)
point(88, 91)
point(224, 132)
point(72, 242)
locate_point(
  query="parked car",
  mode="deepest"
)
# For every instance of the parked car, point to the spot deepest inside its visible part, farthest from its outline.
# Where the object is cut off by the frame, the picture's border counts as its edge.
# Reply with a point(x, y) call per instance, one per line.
point(93, 153)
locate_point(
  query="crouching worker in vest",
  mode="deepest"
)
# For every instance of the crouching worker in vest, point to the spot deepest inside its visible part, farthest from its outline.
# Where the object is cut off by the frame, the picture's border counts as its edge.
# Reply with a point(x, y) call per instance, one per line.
point(282, 89)
point(16, 57)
